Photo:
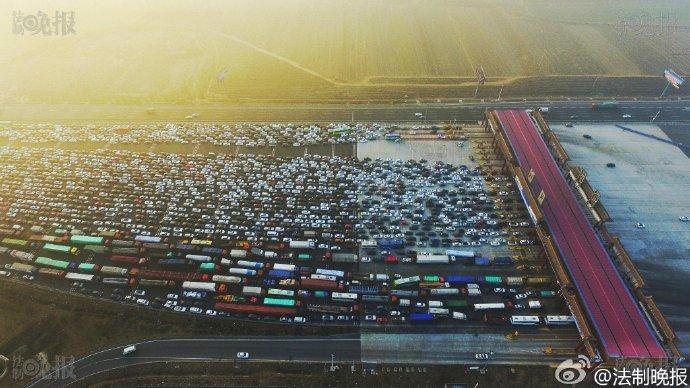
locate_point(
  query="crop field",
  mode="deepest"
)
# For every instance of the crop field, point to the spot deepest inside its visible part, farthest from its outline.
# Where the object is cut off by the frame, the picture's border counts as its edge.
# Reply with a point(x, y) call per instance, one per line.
point(354, 50)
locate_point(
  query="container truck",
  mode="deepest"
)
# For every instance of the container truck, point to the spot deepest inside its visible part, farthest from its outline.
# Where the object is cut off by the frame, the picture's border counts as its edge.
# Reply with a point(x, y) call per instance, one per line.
point(284, 267)
point(344, 258)
point(379, 277)
point(255, 309)
point(242, 271)
point(59, 248)
point(364, 290)
point(81, 277)
point(227, 279)
point(21, 255)
point(214, 251)
point(132, 260)
point(124, 251)
point(459, 279)
point(155, 246)
point(306, 244)
point(456, 303)
point(252, 291)
point(117, 281)
point(117, 271)
point(207, 267)
point(21, 267)
point(48, 262)
point(122, 243)
point(173, 263)
point(199, 258)
point(444, 291)
point(96, 249)
point(204, 286)
point(250, 264)
point(281, 292)
point(421, 317)
point(459, 316)
point(88, 267)
point(147, 239)
point(439, 311)
point(330, 272)
point(280, 274)
point(493, 279)
point(536, 280)
point(558, 320)
point(196, 241)
point(432, 259)
point(514, 280)
point(482, 261)
point(156, 283)
point(460, 254)
point(408, 281)
point(86, 240)
point(14, 242)
point(316, 284)
point(280, 302)
point(169, 275)
point(489, 306)
point(404, 293)
point(378, 299)
point(238, 253)
point(52, 272)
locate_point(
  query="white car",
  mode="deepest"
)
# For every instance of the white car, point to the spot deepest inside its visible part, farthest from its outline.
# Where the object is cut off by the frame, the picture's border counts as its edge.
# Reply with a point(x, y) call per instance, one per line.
point(684, 218)
point(196, 310)
point(640, 225)
point(482, 356)
point(143, 302)
point(370, 318)
point(211, 313)
point(242, 355)
point(300, 320)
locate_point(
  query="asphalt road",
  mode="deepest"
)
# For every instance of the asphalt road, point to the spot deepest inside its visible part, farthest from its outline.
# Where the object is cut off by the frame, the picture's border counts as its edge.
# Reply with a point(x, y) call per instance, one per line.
point(305, 349)
point(641, 111)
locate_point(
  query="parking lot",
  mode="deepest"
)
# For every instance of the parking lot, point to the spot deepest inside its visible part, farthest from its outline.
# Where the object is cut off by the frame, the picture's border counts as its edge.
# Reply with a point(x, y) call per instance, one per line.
point(434, 235)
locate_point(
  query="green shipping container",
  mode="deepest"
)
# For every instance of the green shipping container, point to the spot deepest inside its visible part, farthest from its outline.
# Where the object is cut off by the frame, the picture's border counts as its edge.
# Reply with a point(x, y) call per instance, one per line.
point(57, 248)
point(547, 294)
point(14, 241)
point(87, 240)
point(304, 256)
point(207, 267)
point(431, 278)
point(320, 294)
point(48, 262)
point(493, 279)
point(86, 267)
point(279, 302)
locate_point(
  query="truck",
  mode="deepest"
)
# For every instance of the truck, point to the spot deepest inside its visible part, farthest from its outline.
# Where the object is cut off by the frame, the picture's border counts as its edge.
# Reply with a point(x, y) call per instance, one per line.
point(459, 279)
point(59, 248)
point(48, 262)
point(408, 281)
point(280, 274)
point(80, 277)
point(317, 284)
point(204, 286)
point(173, 263)
point(364, 290)
point(227, 279)
point(377, 299)
point(514, 280)
point(433, 259)
point(21, 267)
point(252, 291)
point(439, 311)
point(96, 249)
point(444, 291)
point(250, 264)
point(305, 244)
point(538, 280)
point(242, 271)
point(459, 253)
point(208, 267)
point(255, 309)
point(88, 267)
point(421, 317)
point(118, 281)
point(169, 275)
point(489, 306)
point(238, 253)
point(605, 105)
point(214, 251)
point(116, 271)
point(482, 261)
point(330, 272)
point(21, 255)
point(132, 260)
point(78, 239)
point(379, 277)
point(199, 258)
point(143, 239)
point(52, 272)
point(156, 283)
point(344, 258)
point(527, 320)
point(285, 267)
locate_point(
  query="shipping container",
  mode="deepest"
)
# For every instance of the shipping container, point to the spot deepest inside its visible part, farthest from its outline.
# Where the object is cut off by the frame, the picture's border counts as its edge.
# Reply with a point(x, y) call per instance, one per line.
point(227, 279)
point(81, 277)
point(528, 320)
point(433, 259)
point(66, 249)
point(252, 291)
point(86, 240)
point(279, 302)
point(48, 262)
point(21, 267)
point(108, 270)
point(307, 244)
point(421, 317)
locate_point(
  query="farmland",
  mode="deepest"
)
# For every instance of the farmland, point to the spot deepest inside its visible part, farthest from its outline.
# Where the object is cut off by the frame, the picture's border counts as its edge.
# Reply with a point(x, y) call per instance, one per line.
point(334, 51)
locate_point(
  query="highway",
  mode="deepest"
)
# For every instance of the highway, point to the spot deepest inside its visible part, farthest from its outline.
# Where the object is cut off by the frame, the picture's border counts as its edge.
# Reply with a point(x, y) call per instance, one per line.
point(345, 349)
point(304, 349)
point(567, 110)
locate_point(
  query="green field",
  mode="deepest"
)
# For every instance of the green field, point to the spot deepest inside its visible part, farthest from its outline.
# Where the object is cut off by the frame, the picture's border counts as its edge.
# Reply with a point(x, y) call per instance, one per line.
point(335, 50)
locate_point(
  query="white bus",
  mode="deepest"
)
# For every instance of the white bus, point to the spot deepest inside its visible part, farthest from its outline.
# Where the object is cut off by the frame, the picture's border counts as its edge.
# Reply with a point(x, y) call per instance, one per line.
point(559, 320)
point(524, 320)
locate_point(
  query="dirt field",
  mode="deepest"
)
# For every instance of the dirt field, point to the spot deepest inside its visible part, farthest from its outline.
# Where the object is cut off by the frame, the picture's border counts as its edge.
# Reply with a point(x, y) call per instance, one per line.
point(355, 50)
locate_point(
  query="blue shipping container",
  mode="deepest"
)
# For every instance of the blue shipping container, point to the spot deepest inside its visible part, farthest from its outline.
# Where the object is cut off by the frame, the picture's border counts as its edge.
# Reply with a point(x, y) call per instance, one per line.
point(481, 260)
point(421, 317)
point(460, 279)
point(280, 274)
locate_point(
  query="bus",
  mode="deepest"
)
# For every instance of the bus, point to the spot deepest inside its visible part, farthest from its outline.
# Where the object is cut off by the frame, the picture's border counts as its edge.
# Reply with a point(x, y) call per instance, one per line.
point(559, 320)
point(61, 249)
point(48, 262)
point(279, 302)
point(344, 297)
point(524, 320)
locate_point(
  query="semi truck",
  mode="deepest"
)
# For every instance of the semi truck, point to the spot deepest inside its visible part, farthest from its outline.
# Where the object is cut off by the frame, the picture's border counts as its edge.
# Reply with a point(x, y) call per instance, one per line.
point(433, 259)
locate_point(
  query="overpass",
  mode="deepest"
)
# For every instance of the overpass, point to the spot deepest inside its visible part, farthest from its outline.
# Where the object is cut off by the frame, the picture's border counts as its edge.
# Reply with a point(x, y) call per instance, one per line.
point(615, 323)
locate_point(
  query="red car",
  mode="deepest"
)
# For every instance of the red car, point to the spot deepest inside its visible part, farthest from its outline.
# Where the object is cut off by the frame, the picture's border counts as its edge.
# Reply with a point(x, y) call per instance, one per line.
point(390, 259)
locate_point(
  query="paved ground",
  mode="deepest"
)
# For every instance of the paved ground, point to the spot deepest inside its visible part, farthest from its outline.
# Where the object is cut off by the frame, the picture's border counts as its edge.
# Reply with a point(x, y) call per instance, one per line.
point(650, 184)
